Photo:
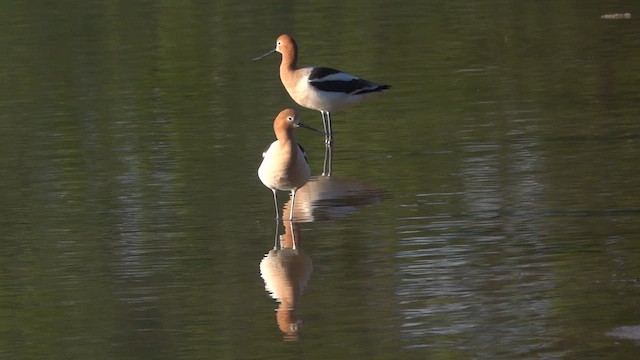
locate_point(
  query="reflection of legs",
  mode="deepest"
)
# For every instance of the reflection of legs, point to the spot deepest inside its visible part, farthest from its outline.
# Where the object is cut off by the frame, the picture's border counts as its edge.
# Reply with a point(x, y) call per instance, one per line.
point(328, 159)
point(275, 201)
point(276, 245)
point(293, 199)
point(293, 236)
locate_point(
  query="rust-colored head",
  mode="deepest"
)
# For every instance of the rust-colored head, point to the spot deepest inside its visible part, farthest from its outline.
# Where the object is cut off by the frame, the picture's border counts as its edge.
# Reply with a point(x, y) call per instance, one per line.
point(285, 45)
point(286, 121)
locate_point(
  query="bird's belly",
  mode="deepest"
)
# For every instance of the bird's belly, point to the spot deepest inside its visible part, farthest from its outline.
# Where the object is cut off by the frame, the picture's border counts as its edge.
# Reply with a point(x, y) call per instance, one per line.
point(311, 98)
point(284, 176)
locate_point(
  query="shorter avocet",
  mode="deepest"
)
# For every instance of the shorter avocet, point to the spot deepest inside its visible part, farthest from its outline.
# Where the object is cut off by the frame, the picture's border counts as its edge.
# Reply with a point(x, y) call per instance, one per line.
point(284, 165)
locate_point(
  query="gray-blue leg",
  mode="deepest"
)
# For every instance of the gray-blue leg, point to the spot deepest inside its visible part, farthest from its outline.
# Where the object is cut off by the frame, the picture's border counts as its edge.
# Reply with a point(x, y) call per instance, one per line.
point(275, 202)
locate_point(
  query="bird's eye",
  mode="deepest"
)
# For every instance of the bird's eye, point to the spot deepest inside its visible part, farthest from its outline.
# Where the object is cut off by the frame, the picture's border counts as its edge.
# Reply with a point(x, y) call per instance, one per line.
point(290, 118)
point(278, 43)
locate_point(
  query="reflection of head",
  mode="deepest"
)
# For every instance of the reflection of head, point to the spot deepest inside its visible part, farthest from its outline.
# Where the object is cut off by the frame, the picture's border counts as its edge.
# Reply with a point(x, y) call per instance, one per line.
point(288, 322)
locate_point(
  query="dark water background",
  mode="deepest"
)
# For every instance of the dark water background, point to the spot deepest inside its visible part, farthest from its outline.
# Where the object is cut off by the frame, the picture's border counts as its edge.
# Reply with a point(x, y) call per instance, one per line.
point(488, 206)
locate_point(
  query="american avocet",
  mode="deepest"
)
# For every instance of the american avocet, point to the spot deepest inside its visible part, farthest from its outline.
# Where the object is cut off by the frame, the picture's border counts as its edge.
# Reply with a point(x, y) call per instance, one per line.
point(319, 88)
point(285, 166)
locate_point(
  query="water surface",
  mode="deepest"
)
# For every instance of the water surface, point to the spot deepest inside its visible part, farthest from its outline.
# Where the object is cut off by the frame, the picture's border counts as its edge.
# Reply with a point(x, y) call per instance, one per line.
point(487, 206)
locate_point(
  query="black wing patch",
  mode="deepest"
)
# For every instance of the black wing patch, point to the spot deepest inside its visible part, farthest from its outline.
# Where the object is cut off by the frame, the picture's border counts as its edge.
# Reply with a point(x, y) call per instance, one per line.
point(355, 86)
point(351, 85)
point(304, 153)
point(320, 72)
point(375, 89)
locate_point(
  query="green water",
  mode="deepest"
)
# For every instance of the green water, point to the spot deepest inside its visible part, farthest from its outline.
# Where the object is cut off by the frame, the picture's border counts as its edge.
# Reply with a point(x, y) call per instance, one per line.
point(487, 206)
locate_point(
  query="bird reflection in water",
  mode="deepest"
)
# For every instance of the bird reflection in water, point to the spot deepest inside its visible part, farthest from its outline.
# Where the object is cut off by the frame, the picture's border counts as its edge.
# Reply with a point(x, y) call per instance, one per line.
point(329, 197)
point(285, 271)
point(332, 197)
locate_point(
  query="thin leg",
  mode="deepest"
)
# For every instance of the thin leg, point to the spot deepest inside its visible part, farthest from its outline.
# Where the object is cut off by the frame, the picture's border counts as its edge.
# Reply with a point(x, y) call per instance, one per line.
point(275, 202)
point(325, 125)
point(293, 199)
